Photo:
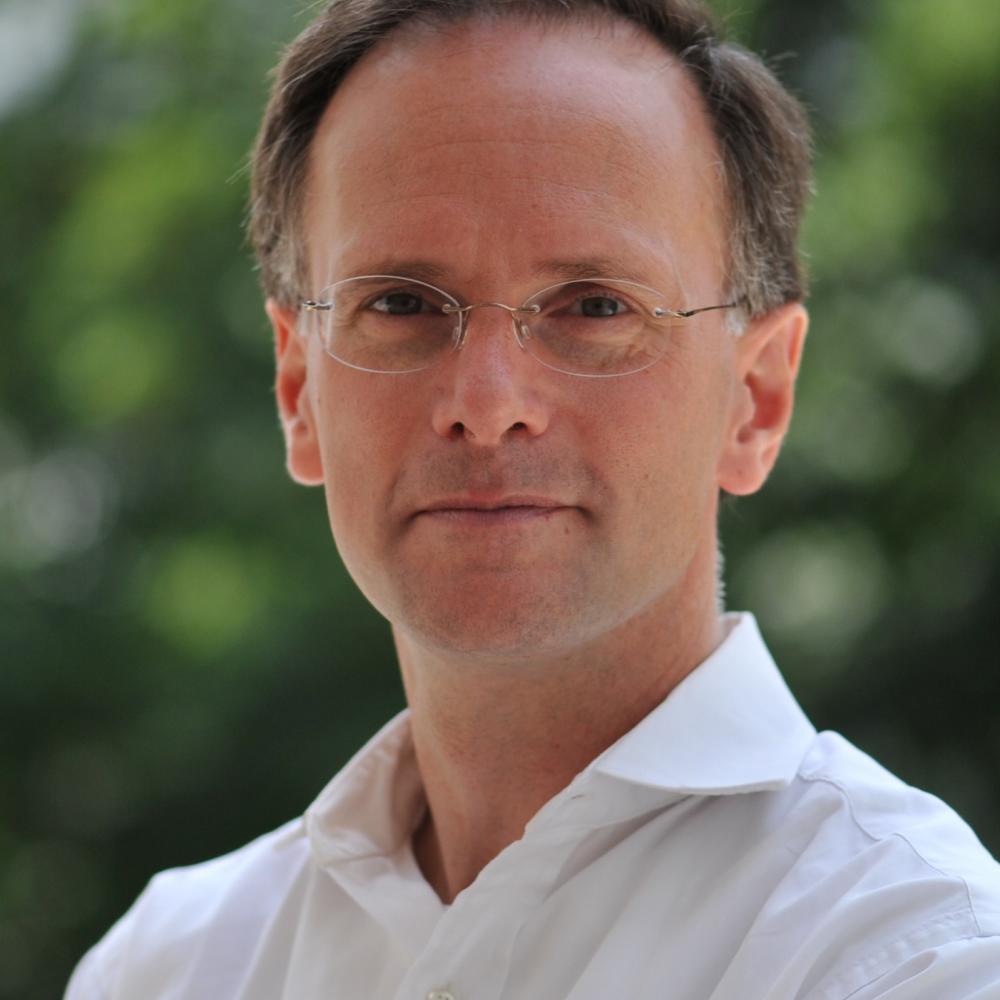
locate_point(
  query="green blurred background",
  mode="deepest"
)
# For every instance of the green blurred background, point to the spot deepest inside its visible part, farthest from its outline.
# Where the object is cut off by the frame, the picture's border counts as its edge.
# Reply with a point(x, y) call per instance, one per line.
point(183, 661)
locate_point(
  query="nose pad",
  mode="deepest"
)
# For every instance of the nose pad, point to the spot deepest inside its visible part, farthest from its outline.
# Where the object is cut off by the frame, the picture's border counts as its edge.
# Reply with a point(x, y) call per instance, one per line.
point(461, 332)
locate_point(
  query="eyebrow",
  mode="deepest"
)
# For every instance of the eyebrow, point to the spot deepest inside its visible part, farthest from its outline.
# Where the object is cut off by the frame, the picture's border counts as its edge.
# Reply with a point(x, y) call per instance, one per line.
point(589, 267)
point(422, 270)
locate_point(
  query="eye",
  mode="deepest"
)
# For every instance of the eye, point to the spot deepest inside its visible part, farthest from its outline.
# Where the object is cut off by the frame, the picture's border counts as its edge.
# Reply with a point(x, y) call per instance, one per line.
point(598, 306)
point(399, 304)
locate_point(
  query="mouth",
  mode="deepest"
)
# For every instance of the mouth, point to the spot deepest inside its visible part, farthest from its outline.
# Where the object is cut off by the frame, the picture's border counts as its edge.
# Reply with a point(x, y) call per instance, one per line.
point(476, 511)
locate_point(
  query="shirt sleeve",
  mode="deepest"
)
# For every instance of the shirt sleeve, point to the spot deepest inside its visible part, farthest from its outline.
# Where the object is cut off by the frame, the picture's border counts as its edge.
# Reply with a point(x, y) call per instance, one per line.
point(967, 969)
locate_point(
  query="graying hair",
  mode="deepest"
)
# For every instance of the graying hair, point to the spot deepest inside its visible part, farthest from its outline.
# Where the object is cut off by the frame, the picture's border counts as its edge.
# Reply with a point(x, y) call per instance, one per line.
point(760, 128)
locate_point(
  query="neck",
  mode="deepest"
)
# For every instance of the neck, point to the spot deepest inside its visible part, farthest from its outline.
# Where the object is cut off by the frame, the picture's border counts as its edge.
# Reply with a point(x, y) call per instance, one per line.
point(496, 740)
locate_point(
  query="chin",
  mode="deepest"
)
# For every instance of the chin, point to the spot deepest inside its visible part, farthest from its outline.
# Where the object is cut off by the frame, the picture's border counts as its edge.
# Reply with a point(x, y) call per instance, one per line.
point(520, 626)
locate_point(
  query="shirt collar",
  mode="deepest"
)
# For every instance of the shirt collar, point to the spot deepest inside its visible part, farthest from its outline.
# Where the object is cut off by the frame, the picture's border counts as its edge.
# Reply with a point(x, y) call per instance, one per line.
point(730, 726)
point(374, 803)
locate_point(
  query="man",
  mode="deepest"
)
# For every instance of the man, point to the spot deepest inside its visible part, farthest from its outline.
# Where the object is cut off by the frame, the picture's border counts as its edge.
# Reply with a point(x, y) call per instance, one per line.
point(531, 272)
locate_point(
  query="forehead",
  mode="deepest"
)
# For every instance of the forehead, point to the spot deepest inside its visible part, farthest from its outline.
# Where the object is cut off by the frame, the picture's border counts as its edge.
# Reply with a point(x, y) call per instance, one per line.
point(494, 146)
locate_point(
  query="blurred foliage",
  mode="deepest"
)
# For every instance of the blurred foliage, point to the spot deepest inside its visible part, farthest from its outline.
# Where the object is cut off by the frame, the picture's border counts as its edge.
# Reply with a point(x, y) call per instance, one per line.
point(183, 661)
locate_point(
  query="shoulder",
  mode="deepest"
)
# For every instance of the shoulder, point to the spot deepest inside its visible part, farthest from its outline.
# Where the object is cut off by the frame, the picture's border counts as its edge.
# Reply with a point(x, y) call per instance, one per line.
point(186, 911)
point(886, 876)
point(888, 819)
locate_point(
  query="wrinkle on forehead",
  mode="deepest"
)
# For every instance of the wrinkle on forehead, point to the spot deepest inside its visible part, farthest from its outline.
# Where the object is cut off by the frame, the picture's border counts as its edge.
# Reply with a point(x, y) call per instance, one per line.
point(449, 134)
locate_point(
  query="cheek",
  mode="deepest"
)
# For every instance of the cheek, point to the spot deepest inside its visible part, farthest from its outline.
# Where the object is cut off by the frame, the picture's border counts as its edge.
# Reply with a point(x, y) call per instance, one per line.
point(361, 429)
point(667, 433)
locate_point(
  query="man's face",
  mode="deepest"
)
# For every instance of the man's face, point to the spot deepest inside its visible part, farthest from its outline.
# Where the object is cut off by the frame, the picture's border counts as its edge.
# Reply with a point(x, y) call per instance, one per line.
point(491, 505)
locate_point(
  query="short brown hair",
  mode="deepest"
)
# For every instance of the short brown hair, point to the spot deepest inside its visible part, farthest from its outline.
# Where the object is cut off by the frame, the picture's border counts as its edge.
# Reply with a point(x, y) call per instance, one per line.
point(761, 130)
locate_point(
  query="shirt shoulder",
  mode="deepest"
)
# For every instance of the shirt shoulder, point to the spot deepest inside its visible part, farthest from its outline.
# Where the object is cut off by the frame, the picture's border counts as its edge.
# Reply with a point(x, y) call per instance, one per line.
point(186, 914)
point(887, 876)
point(886, 813)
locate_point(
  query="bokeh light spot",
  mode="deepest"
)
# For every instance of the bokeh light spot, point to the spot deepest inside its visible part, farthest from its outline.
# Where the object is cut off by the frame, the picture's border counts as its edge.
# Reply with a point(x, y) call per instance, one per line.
point(818, 586)
point(204, 593)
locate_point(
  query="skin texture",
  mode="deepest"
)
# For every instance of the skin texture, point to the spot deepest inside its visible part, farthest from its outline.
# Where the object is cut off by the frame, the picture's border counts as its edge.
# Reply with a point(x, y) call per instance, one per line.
point(536, 629)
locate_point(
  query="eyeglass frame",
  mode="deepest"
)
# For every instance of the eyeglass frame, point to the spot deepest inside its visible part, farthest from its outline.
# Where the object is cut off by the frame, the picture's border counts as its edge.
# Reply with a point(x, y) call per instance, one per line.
point(462, 312)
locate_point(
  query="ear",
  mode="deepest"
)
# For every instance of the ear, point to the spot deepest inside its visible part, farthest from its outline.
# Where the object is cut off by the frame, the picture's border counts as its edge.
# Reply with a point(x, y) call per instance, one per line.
point(302, 452)
point(767, 362)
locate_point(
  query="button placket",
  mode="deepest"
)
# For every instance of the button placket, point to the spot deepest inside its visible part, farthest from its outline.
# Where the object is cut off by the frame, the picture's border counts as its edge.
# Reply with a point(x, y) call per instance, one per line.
point(477, 933)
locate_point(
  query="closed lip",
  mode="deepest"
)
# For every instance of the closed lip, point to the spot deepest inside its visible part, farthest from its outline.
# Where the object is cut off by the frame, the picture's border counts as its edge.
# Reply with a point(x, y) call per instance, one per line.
point(474, 503)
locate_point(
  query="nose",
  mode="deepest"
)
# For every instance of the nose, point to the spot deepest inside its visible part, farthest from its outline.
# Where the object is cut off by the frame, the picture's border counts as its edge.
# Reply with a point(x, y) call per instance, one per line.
point(491, 389)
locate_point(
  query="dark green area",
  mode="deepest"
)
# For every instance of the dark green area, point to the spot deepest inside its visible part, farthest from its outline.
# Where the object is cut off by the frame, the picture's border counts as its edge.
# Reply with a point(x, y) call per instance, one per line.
point(183, 661)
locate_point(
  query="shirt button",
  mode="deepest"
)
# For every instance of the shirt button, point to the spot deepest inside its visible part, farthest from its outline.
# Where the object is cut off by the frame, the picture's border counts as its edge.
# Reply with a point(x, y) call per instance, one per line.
point(440, 995)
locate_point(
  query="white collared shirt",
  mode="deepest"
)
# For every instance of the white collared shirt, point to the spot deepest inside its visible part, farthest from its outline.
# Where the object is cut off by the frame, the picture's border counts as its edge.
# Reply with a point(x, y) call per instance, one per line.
point(721, 850)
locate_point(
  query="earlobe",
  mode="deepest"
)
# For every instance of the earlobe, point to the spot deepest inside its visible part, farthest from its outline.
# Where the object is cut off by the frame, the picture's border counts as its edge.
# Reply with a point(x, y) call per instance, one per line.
point(302, 452)
point(767, 363)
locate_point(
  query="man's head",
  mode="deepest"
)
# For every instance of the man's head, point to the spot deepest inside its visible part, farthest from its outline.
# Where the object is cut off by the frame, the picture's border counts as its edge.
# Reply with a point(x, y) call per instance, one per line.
point(489, 504)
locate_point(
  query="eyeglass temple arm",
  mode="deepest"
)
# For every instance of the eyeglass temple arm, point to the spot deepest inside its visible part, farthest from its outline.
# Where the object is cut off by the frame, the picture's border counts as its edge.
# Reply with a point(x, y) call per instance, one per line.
point(686, 313)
